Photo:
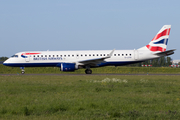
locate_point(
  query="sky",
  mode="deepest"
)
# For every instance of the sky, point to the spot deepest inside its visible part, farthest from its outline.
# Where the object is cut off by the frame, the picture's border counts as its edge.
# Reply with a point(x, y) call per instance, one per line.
point(55, 25)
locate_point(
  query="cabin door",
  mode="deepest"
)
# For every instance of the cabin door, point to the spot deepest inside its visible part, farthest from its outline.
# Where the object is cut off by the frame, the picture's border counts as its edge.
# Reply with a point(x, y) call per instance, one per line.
point(27, 58)
point(136, 55)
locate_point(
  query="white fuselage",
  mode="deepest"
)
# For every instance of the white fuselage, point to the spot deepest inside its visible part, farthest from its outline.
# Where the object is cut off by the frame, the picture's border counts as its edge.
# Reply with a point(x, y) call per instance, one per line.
point(73, 60)
point(52, 58)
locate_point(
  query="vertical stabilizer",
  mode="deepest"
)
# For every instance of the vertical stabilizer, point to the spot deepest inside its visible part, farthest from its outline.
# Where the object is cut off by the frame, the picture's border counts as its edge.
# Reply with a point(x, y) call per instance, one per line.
point(159, 42)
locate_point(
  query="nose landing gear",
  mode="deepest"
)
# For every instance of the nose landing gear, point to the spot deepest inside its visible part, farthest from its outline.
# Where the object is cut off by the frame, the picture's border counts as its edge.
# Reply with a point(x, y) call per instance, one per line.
point(22, 70)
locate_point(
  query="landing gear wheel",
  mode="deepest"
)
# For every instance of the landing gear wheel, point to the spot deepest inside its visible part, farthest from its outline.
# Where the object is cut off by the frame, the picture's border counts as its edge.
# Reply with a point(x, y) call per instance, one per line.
point(22, 72)
point(88, 71)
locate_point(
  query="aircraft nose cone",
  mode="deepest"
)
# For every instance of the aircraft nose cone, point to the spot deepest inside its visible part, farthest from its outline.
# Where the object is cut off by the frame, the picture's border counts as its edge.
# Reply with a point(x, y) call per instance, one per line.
point(5, 63)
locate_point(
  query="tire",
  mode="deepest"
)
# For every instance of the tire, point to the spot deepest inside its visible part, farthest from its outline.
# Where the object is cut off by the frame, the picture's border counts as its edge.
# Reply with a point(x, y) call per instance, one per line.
point(88, 71)
point(22, 72)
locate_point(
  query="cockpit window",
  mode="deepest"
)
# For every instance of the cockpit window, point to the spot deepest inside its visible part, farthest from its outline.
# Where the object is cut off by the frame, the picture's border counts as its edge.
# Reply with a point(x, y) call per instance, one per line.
point(15, 56)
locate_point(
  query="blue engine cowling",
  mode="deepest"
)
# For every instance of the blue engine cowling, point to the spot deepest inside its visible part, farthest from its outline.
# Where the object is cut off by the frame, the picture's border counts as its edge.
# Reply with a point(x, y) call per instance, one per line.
point(68, 66)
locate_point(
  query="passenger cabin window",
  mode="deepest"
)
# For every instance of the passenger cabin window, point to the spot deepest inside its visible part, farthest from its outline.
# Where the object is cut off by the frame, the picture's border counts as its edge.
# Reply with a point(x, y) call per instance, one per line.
point(129, 54)
point(97, 54)
point(93, 55)
point(64, 55)
point(126, 54)
point(89, 54)
point(41, 55)
point(53, 55)
point(122, 54)
point(57, 55)
point(85, 55)
point(34, 56)
point(118, 54)
point(100, 54)
point(45, 55)
point(68, 55)
point(61, 55)
point(38, 56)
point(104, 55)
point(49, 55)
point(81, 55)
point(114, 54)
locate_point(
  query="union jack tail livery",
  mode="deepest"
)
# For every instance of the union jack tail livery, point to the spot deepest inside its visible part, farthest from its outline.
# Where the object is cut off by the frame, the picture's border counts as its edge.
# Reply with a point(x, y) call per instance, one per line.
point(159, 42)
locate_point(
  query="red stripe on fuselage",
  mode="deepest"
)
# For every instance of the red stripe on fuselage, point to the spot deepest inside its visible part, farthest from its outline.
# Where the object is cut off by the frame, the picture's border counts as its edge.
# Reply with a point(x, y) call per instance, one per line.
point(163, 33)
point(30, 53)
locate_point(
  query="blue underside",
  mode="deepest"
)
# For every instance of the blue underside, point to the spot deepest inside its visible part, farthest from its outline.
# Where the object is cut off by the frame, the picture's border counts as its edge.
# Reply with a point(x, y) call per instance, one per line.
point(57, 64)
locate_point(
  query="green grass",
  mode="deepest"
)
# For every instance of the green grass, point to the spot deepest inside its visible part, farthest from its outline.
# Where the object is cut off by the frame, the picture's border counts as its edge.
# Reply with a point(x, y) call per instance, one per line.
point(122, 70)
point(89, 97)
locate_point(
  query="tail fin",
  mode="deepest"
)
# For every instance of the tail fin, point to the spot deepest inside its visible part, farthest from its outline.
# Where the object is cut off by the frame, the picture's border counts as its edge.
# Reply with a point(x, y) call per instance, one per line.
point(159, 42)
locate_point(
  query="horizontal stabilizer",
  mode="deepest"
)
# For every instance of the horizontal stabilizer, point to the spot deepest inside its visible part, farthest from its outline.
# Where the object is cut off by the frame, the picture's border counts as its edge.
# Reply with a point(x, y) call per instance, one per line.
point(168, 52)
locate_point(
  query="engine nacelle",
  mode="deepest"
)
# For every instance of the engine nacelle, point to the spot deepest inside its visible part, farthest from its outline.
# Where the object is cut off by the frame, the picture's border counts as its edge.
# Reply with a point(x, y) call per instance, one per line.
point(68, 67)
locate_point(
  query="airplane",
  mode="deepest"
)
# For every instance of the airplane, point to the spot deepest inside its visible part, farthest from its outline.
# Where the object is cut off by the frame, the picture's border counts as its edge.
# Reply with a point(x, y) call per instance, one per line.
point(74, 60)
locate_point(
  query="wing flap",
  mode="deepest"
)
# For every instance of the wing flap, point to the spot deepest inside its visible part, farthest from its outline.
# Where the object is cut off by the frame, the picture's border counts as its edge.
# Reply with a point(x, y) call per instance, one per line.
point(96, 61)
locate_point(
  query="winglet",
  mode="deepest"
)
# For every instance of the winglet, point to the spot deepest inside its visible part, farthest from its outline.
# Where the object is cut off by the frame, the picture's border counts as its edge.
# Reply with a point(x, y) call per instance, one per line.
point(111, 52)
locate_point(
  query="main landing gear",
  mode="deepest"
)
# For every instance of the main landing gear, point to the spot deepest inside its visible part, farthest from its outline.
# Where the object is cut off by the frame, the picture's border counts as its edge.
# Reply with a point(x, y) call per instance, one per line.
point(88, 71)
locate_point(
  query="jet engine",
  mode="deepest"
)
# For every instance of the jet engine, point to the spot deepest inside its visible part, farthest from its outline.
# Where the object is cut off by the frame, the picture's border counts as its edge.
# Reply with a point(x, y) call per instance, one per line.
point(68, 67)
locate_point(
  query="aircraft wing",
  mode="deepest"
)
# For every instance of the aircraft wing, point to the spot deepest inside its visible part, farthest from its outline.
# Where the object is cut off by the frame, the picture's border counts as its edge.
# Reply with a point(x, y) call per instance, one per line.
point(94, 62)
point(168, 52)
